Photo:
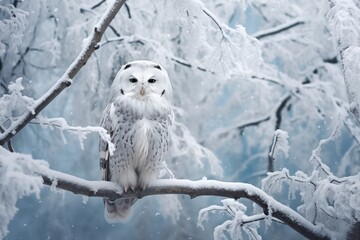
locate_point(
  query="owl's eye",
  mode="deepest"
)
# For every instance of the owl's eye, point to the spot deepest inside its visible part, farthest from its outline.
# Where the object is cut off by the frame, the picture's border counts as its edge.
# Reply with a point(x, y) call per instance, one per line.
point(133, 80)
point(152, 80)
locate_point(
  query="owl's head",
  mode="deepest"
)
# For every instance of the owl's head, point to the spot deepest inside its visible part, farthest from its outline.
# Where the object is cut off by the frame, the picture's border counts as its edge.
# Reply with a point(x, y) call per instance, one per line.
point(142, 80)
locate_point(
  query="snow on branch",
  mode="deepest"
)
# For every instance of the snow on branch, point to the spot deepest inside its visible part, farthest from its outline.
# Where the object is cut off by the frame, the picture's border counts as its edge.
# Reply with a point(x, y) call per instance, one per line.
point(344, 21)
point(80, 132)
point(89, 46)
point(193, 189)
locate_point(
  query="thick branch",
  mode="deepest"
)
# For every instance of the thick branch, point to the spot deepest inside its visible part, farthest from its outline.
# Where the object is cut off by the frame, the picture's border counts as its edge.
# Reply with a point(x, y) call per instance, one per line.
point(191, 188)
point(66, 79)
point(344, 25)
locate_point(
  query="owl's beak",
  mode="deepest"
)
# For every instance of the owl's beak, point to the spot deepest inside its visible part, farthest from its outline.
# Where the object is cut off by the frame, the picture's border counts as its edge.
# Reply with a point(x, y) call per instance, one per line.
point(142, 91)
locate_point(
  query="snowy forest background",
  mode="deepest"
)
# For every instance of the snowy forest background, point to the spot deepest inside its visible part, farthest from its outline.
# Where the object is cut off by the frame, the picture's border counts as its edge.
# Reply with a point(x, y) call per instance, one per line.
point(240, 71)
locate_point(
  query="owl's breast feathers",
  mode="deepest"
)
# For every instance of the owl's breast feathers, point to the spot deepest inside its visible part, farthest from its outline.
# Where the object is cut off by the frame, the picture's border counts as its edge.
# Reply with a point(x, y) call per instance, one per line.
point(141, 135)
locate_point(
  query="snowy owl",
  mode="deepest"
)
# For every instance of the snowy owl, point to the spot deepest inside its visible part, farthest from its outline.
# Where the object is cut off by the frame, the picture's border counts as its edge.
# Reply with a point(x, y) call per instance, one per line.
point(138, 117)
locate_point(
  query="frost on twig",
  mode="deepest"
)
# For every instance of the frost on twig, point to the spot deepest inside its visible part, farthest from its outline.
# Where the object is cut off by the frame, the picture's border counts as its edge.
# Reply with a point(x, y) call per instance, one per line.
point(238, 224)
point(80, 132)
point(326, 199)
point(14, 104)
point(231, 39)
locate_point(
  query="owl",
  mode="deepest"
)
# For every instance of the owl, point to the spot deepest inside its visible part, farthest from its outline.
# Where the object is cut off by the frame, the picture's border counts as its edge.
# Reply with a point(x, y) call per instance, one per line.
point(139, 117)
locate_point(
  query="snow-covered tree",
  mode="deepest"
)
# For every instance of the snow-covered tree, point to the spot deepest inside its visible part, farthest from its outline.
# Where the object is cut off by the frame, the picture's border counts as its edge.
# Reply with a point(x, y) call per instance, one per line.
point(266, 92)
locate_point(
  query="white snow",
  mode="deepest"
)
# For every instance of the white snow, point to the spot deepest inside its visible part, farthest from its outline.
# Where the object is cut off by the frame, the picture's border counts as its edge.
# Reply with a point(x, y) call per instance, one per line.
point(17, 180)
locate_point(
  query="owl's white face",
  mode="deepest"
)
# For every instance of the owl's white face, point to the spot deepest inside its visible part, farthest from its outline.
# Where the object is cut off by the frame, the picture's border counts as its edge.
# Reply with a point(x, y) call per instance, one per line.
point(142, 80)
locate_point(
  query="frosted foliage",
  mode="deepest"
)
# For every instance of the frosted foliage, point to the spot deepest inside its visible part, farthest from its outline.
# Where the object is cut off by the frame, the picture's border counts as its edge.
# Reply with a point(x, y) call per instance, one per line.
point(326, 200)
point(217, 46)
point(240, 223)
point(184, 145)
point(12, 26)
point(14, 104)
point(17, 180)
point(344, 20)
point(80, 132)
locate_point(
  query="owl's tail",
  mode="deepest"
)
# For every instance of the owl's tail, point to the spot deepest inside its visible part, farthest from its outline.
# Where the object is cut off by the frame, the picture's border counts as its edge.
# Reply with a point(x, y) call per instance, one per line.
point(118, 211)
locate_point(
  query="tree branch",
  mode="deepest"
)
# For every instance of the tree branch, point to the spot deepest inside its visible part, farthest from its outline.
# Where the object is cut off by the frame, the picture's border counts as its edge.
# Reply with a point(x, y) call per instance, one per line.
point(193, 189)
point(343, 22)
point(66, 80)
point(278, 115)
point(278, 29)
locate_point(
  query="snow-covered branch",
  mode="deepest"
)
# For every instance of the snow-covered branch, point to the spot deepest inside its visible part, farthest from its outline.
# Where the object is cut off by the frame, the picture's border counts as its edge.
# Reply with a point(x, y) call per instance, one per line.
point(194, 189)
point(344, 23)
point(90, 45)
point(80, 132)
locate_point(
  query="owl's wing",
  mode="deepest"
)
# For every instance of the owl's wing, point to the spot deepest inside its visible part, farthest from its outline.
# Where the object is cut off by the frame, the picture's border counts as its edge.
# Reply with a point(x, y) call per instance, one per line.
point(103, 146)
point(116, 210)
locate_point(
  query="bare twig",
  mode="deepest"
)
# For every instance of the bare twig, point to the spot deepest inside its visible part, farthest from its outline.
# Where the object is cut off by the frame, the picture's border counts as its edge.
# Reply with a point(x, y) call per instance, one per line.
point(98, 4)
point(66, 80)
point(278, 29)
point(268, 79)
point(191, 188)
point(216, 21)
point(128, 10)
